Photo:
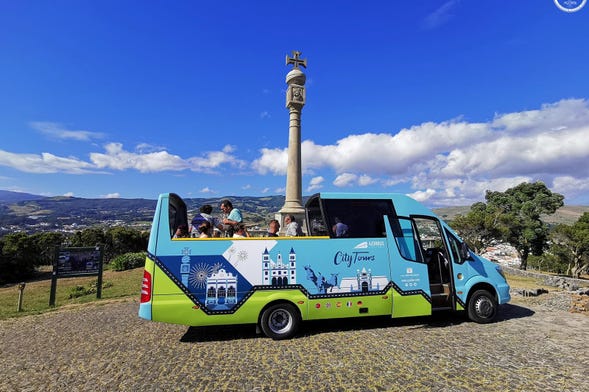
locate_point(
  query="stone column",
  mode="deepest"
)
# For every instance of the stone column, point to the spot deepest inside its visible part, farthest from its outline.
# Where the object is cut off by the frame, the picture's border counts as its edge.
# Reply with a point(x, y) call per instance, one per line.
point(295, 100)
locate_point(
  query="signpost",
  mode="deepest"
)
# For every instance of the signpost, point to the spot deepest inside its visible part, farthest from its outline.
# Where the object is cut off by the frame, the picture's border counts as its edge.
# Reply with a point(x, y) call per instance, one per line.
point(72, 262)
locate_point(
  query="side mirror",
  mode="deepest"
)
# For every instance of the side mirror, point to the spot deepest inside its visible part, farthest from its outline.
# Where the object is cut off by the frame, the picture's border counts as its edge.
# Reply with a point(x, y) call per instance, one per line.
point(465, 252)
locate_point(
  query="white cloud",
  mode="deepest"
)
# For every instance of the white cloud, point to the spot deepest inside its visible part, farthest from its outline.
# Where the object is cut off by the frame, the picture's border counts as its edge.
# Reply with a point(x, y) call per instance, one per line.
point(315, 183)
point(69, 194)
point(207, 190)
point(345, 179)
point(440, 16)
point(44, 163)
point(542, 144)
point(57, 131)
point(265, 190)
point(265, 114)
point(571, 186)
point(119, 159)
point(422, 195)
point(114, 195)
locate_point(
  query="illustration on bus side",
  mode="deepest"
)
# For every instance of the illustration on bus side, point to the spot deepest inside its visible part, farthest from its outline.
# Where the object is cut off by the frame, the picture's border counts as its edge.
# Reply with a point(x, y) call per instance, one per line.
point(219, 282)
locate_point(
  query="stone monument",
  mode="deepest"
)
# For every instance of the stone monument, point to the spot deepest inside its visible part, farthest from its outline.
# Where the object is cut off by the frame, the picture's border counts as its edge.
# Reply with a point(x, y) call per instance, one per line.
point(295, 100)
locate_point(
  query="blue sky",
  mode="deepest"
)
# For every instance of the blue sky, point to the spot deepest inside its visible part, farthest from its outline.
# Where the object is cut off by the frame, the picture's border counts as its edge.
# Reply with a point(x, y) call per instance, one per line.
point(441, 100)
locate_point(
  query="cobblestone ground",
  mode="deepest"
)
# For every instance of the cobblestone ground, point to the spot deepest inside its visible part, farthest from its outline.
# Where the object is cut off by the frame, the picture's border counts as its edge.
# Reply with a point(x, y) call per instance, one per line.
point(536, 345)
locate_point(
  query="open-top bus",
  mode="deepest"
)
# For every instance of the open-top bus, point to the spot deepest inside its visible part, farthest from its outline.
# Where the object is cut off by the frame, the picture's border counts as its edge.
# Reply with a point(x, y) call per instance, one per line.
point(397, 258)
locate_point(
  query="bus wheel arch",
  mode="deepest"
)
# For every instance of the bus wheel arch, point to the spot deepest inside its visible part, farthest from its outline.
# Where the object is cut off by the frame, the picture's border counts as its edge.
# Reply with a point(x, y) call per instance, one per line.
point(280, 320)
point(482, 306)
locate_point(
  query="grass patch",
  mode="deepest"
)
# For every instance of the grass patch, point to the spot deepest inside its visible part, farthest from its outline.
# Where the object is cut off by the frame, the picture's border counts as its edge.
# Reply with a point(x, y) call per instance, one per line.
point(523, 282)
point(69, 291)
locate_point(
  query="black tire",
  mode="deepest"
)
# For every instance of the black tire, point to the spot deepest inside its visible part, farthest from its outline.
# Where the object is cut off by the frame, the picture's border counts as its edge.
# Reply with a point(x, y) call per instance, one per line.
point(280, 321)
point(482, 307)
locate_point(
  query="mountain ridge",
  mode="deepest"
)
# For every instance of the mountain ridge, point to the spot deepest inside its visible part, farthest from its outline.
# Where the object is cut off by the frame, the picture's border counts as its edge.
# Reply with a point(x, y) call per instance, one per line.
point(32, 213)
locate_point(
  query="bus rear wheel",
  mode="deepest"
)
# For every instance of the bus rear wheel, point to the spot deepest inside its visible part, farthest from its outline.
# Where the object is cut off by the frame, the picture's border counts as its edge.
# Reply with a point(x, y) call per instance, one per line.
point(280, 321)
point(482, 307)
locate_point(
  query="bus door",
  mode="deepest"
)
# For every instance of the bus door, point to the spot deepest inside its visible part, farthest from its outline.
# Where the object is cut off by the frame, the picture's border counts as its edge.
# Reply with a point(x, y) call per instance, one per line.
point(438, 260)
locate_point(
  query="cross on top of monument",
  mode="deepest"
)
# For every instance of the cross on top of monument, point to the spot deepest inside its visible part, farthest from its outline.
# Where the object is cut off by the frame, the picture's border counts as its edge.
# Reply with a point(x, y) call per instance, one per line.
point(295, 60)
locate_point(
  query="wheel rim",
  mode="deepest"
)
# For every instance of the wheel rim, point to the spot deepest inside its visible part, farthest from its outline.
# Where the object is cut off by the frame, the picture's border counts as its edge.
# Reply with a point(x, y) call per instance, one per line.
point(279, 321)
point(484, 307)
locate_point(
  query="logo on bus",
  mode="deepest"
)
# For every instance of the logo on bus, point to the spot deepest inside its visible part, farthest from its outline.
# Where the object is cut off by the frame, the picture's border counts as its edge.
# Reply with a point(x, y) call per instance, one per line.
point(371, 244)
point(352, 258)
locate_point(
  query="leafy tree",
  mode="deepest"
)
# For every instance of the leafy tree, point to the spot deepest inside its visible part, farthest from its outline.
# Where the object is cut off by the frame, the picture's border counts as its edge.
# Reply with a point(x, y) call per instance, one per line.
point(571, 244)
point(47, 243)
point(18, 257)
point(518, 211)
point(478, 228)
point(87, 237)
point(513, 217)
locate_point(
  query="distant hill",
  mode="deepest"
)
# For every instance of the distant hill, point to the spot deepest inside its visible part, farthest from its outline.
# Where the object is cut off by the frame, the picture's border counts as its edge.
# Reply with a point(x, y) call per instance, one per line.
point(565, 215)
point(9, 196)
point(32, 213)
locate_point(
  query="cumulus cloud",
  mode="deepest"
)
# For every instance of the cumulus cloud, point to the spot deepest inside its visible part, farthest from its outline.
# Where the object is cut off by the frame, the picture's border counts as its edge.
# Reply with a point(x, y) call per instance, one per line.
point(57, 131)
point(315, 183)
point(457, 159)
point(44, 163)
point(114, 195)
point(117, 158)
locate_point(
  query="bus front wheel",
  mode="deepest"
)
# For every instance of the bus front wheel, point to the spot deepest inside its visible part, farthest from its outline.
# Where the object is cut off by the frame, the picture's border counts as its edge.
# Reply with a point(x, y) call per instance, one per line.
point(280, 321)
point(482, 307)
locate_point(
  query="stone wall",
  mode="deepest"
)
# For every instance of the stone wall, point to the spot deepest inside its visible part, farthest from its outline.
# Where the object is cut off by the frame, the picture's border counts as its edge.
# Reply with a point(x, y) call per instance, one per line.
point(563, 282)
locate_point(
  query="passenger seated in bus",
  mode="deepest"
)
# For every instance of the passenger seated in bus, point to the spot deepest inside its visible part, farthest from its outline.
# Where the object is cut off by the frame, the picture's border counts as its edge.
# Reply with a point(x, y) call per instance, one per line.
point(273, 228)
point(204, 229)
point(340, 229)
point(240, 231)
point(292, 227)
point(204, 215)
point(182, 232)
point(231, 217)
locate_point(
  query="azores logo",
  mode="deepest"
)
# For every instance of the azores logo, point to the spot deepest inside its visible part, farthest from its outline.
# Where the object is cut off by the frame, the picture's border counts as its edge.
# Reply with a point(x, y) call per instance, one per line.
point(570, 5)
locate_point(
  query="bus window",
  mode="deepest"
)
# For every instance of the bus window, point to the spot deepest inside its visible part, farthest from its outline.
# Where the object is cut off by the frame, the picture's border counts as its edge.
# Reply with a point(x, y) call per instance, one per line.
point(454, 244)
point(436, 256)
point(406, 238)
point(315, 221)
point(363, 217)
point(177, 214)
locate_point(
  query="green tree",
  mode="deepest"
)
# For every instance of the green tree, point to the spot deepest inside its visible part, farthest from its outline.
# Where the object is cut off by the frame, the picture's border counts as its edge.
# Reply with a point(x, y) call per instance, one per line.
point(18, 257)
point(571, 244)
point(478, 228)
point(517, 214)
point(46, 244)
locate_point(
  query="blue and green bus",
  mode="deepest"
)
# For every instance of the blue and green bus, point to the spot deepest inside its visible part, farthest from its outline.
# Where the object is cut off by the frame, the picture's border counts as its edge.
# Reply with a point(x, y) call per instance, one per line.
point(397, 259)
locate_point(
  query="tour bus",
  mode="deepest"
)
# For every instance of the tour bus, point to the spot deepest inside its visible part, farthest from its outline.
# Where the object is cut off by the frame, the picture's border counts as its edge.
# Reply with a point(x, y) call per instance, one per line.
point(397, 259)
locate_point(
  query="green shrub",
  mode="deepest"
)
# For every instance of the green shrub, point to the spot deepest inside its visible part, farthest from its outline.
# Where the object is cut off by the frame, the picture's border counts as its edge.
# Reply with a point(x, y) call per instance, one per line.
point(80, 291)
point(128, 261)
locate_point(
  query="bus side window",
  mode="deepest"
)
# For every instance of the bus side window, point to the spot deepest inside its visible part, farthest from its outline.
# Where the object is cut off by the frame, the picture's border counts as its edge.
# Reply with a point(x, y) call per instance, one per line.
point(406, 238)
point(177, 214)
point(363, 218)
point(454, 246)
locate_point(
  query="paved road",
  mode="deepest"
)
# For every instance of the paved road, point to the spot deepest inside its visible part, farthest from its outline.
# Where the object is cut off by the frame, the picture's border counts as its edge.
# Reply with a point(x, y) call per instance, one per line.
point(107, 347)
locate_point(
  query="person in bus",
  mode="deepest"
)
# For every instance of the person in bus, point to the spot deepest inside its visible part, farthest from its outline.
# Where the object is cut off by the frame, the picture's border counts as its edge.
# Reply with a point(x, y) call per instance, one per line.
point(231, 217)
point(205, 230)
point(273, 228)
point(182, 232)
point(204, 215)
point(340, 229)
point(240, 231)
point(292, 227)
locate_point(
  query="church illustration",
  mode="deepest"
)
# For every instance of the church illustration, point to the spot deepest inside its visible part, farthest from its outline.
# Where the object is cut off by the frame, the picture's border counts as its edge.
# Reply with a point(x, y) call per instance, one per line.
point(279, 273)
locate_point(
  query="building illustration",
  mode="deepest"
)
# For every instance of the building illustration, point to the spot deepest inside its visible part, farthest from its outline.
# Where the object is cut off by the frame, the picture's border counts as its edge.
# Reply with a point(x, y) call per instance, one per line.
point(279, 273)
point(221, 289)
